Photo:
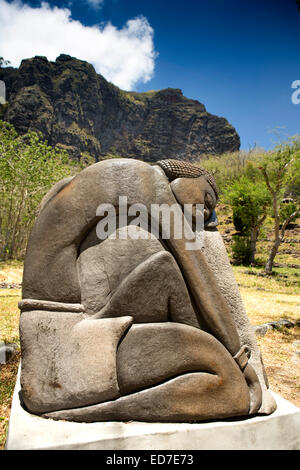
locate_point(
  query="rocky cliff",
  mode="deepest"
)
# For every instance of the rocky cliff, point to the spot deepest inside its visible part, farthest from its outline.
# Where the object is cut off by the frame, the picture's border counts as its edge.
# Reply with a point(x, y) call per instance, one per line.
point(77, 109)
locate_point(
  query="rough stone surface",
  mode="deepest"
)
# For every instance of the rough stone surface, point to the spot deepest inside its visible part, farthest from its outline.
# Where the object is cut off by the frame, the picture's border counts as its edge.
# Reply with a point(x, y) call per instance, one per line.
point(175, 349)
point(78, 110)
point(68, 360)
point(7, 352)
point(103, 266)
point(279, 431)
point(261, 330)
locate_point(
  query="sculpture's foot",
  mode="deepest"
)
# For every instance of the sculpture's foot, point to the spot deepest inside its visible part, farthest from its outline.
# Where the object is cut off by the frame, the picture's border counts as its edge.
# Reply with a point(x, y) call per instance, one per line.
point(268, 403)
point(191, 397)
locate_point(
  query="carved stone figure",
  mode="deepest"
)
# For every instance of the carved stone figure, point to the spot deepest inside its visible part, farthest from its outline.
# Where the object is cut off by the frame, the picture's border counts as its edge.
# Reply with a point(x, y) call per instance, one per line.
point(134, 329)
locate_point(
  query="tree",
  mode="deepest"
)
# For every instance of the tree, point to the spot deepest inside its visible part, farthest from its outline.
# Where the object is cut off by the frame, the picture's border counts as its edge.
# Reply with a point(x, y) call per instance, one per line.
point(250, 200)
point(281, 169)
point(28, 169)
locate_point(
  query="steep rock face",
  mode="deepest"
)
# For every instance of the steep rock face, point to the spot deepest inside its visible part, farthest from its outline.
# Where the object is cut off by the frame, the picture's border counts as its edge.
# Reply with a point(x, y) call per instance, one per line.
point(77, 109)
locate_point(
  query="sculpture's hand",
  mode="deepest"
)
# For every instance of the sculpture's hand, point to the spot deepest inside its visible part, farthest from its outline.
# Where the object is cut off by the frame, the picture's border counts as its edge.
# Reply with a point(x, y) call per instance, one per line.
point(242, 358)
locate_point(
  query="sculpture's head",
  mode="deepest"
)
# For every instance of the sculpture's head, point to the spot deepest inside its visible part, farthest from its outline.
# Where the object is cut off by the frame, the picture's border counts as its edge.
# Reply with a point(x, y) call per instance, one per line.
point(191, 184)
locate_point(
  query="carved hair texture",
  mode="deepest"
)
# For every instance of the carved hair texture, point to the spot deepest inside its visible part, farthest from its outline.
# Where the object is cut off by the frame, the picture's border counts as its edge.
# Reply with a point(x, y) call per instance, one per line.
point(179, 169)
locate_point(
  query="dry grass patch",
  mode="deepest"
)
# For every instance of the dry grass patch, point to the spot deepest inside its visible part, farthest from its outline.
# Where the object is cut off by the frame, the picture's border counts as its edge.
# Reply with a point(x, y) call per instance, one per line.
point(283, 280)
point(11, 272)
point(9, 333)
point(9, 315)
point(264, 307)
point(8, 373)
point(282, 365)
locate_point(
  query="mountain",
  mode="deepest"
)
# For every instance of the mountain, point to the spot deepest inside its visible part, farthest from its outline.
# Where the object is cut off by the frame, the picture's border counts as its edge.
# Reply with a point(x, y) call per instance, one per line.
point(78, 110)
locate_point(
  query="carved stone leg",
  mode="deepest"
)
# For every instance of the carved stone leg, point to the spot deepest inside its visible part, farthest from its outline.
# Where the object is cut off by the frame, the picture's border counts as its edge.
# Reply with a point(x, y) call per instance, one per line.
point(154, 291)
point(67, 360)
point(180, 374)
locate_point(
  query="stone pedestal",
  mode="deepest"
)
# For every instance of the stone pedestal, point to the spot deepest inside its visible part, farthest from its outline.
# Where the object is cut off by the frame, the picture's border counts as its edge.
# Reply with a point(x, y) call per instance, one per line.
point(278, 431)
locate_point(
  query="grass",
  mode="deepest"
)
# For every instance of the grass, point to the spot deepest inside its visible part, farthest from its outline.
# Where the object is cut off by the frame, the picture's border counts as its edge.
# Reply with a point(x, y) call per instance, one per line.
point(266, 299)
point(282, 363)
point(9, 315)
point(267, 306)
point(9, 333)
point(269, 298)
point(11, 271)
point(8, 373)
point(283, 280)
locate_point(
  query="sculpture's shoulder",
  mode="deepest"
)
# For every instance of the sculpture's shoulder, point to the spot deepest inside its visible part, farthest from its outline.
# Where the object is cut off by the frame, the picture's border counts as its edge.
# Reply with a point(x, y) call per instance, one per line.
point(59, 186)
point(132, 178)
point(119, 165)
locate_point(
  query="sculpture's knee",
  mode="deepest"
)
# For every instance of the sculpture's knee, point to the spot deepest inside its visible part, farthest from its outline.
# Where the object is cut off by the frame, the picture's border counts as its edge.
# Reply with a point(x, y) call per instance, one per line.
point(166, 262)
point(157, 303)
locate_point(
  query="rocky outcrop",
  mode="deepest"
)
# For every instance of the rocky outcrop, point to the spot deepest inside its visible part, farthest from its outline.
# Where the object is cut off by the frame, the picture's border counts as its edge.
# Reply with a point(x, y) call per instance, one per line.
point(77, 109)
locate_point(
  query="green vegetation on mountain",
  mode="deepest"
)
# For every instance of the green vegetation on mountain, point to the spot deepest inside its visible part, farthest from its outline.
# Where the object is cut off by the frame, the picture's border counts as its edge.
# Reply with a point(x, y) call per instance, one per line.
point(78, 110)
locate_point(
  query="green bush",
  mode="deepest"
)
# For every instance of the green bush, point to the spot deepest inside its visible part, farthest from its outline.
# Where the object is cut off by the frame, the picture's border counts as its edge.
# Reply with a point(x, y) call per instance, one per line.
point(286, 210)
point(241, 250)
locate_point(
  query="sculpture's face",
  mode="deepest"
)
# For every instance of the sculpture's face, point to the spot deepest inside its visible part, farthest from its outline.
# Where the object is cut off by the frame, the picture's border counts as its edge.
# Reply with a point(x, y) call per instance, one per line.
point(195, 191)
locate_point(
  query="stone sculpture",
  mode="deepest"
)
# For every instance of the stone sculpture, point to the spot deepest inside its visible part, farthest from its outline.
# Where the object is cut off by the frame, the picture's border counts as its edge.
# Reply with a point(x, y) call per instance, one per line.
point(123, 329)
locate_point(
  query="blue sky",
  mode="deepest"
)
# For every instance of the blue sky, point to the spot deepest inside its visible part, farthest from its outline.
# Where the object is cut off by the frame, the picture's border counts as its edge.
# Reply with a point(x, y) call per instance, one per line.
point(238, 58)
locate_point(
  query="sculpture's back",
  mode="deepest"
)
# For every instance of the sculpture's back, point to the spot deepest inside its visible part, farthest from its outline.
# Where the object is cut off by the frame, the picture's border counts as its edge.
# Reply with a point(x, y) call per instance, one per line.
point(134, 329)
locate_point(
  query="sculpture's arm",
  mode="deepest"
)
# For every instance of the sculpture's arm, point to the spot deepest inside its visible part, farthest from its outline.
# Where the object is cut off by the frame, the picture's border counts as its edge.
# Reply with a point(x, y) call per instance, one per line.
point(210, 303)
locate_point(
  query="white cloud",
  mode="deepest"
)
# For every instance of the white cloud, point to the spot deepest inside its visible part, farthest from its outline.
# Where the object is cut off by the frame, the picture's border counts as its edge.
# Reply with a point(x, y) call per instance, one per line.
point(123, 56)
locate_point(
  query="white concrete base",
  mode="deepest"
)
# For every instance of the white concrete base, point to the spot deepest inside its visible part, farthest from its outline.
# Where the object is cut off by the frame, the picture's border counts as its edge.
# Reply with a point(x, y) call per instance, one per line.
point(279, 431)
